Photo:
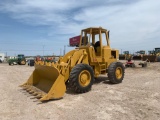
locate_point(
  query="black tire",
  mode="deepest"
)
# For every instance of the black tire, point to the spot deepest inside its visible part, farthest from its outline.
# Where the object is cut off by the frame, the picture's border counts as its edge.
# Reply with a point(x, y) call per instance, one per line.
point(158, 58)
point(133, 65)
point(126, 66)
point(23, 62)
point(113, 67)
point(11, 63)
point(80, 71)
point(144, 65)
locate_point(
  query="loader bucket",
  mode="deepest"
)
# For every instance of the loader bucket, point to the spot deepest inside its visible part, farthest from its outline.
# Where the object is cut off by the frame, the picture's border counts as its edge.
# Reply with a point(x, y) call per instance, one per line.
point(45, 83)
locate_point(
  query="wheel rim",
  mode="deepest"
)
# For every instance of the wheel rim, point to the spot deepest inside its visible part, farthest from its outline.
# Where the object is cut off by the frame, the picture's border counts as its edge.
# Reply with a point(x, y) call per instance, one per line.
point(84, 78)
point(22, 62)
point(118, 72)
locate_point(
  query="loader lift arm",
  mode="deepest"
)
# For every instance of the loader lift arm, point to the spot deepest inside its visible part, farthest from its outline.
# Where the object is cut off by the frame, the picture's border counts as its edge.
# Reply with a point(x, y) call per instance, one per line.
point(54, 87)
point(78, 67)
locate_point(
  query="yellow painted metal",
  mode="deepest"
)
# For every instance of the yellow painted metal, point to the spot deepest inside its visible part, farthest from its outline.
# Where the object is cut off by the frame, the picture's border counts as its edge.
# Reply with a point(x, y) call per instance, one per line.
point(84, 78)
point(48, 80)
point(39, 62)
point(36, 62)
point(57, 90)
point(77, 56)
point(48, 63)
point(118, 72)
point(42, 63)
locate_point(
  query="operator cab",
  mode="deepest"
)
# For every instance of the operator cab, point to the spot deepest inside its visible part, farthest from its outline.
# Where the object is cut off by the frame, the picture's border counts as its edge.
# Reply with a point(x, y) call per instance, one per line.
point(96, 38)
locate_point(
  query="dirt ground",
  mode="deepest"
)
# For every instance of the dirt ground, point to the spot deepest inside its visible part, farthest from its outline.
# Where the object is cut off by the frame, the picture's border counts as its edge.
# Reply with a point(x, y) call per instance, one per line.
point(136, 98)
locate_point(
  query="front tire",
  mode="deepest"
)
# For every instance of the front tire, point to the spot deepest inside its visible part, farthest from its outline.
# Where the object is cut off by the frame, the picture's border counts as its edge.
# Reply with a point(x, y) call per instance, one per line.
point(81, 78)
point(116, 72)
point(11, 63)
point(23, 62)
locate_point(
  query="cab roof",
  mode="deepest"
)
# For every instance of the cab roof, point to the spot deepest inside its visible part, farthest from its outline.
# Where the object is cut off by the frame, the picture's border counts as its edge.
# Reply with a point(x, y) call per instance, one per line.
point(95, 30)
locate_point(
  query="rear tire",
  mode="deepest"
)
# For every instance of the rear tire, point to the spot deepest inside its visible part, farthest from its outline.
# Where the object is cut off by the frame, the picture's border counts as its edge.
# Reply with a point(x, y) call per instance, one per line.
point(158, 58)
point(144, 65)
point(81, 78)
point(116, 72)
point(11, 63)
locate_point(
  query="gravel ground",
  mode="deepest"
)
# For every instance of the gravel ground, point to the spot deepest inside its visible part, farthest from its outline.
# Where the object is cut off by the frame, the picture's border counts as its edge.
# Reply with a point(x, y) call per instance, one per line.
point(136, 98)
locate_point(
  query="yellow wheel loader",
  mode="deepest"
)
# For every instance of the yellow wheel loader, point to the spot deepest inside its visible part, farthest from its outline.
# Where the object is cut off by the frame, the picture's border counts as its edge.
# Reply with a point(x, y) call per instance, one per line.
point(78, 68)
point(153, 56)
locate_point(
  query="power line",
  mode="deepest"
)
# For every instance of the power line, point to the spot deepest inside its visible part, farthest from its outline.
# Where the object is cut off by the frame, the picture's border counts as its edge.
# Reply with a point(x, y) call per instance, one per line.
point(27, 50)
point(30, 44)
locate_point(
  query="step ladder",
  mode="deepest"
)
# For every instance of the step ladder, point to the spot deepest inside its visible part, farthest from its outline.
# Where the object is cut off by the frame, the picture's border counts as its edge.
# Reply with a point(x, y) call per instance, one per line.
point(102, 68)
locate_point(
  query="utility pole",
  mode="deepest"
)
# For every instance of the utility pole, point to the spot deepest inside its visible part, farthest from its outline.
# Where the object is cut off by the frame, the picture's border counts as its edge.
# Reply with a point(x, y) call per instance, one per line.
point(6, 58)
point(43, 50)
point(60, 51)
point(64, 52)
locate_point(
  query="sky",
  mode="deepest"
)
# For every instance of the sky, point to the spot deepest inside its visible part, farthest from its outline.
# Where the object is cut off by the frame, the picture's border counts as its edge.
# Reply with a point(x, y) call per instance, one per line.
point(43, 27)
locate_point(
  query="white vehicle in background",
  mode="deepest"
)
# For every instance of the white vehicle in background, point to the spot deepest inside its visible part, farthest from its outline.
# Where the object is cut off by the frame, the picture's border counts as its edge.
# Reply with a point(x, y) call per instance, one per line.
point(2, 55)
